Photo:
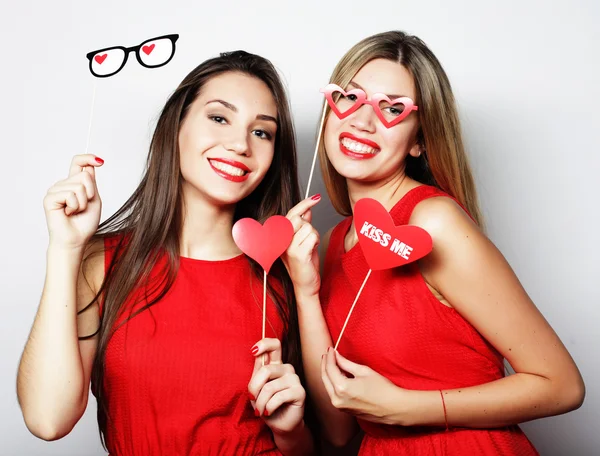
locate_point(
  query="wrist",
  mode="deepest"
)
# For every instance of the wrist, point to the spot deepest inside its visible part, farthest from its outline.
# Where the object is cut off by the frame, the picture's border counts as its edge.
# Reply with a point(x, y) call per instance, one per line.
point(405, 406)
point(422, 408)
point(57, 249)
point(306, 294)
point(290, 434)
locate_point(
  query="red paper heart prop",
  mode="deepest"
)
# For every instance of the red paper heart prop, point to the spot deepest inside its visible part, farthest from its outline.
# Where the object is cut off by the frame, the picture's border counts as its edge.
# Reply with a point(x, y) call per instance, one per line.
point(100, 58)
point(263, 243)
point(148, 49)
point(385, 245)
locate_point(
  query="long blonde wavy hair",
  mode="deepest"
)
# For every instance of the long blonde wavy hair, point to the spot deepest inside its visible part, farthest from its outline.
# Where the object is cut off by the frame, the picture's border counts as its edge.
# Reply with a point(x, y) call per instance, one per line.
point(444, 163)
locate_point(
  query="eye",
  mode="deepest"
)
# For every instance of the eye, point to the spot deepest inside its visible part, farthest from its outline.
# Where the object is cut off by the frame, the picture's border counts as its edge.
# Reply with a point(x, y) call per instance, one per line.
point(218, 119)
point(262, 134)
point(350, 97)
point(395, 111)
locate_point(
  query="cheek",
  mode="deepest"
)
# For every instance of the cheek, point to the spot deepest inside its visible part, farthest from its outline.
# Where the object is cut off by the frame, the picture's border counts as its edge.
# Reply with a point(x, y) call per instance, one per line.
point(331, 133)
point(264, 157)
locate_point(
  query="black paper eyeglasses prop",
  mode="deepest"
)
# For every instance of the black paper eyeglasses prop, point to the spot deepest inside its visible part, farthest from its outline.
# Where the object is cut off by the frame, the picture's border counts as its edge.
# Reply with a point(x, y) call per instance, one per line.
point(103, 63)
point(152, 53)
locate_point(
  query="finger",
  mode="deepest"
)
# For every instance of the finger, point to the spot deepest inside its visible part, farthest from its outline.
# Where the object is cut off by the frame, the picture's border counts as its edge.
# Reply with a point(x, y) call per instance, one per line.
point(302, 234)
point(338, 379)
point(273, 387)
point(293, 395)
point(80, 162)
point(71, 203)
point(326, 380)
point(297, 223)
point(311, 241)
point(266, 374)
point(348, 366)
point(303, 206)
point(271, 347)
point(87, 180)
point(307, 216)
point(78, 188)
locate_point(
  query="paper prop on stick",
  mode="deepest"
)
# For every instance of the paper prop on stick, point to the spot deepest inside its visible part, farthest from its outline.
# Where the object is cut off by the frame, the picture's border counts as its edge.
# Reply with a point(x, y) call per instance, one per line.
point(264, 244)
point(389, 111)
point(106, 62)
point(384, 244)
point(152, 53)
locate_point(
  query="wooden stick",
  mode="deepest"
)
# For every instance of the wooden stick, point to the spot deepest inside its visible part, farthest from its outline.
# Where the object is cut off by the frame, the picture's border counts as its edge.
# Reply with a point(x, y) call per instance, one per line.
point(89, 134)
point(352, 308)
point(264, 320)
point(312, 168)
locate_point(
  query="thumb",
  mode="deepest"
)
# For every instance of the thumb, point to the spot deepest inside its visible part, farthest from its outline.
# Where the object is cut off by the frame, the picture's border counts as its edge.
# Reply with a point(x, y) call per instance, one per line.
point(348, 366)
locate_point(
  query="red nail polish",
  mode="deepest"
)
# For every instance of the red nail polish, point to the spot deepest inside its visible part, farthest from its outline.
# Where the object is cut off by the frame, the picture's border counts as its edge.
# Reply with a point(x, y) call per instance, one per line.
point(99, 160)
point(316, 197)
point(266, 413)
point(254, 350)
point(256, 412)
point(251, 396)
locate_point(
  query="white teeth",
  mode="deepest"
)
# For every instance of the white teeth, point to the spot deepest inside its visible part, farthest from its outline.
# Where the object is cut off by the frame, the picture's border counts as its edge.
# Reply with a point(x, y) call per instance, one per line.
point(231, 170)
point(358, 147)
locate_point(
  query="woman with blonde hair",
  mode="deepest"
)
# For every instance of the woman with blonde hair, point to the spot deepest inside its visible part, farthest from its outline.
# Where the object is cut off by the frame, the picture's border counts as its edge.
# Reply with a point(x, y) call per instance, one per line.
point(420, 366)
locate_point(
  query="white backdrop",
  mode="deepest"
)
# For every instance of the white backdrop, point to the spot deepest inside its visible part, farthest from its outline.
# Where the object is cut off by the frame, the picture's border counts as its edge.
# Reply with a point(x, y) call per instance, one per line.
point(525, 74)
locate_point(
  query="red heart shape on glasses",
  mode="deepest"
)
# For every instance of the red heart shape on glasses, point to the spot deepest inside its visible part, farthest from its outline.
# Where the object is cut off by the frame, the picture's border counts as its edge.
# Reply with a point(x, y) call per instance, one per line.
point(100, 58)
point(148, 49)
point(407, 107)
point(331, 89)
point(263, 243)
point(384, 244)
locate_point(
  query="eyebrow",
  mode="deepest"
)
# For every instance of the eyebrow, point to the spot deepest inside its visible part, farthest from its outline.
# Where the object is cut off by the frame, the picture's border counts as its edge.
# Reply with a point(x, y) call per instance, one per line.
point(235, 109)
point(391, 97)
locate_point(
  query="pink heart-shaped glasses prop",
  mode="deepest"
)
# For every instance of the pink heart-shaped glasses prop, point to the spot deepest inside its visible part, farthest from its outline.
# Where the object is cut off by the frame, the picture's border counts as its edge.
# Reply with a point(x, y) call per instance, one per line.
point(361, 98)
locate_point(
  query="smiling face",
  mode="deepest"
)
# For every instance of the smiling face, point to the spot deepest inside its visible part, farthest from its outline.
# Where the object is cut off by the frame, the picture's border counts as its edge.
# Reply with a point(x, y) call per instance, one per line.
point(360, 147)
point(227, 138)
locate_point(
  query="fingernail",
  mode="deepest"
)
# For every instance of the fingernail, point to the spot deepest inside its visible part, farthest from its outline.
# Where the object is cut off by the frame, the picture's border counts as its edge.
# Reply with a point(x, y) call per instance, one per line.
point(251, 396)
point(99, 160)
point(254, 350)
point(266, 413)
point(316, 197)
point(256, 412)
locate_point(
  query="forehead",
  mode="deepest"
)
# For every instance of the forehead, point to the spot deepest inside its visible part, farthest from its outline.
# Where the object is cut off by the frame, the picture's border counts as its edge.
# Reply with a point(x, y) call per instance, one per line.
point(385, 76)
point(242, 90)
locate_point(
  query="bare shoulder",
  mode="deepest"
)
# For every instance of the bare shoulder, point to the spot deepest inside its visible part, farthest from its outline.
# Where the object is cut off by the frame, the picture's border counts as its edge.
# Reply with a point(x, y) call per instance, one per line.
point(444, 219)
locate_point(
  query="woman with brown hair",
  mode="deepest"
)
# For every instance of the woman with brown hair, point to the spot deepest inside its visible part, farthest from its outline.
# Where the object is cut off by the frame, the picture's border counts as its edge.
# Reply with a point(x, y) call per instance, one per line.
point(420, 365)
point(156, 306)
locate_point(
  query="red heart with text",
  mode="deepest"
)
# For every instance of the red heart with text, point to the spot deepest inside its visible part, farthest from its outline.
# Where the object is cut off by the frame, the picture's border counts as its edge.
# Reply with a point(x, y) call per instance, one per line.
point(263, 243)
point(384, 244)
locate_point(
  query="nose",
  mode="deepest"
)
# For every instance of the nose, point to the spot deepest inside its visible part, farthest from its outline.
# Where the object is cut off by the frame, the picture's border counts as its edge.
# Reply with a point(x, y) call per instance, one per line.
point(363, 119)
point(238, 143)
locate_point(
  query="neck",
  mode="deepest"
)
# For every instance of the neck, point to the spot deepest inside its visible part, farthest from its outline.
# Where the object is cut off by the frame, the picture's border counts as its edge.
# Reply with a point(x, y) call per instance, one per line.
point(388, 192)
point(206, 230)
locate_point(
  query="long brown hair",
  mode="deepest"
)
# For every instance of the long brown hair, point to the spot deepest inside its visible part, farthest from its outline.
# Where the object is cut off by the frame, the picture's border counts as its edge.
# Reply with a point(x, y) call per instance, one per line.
point(444, 162)
point(148, 225)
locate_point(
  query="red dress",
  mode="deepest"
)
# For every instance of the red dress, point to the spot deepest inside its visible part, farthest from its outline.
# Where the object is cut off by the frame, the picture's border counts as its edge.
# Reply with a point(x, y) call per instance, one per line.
point(400, 330)
point(177, 374)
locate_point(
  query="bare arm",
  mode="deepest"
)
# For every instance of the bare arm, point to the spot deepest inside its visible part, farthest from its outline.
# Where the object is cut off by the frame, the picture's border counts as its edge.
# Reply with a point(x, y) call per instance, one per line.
point(474, 277)
point(303, 264)
point(468, 273)
point(54, 372)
